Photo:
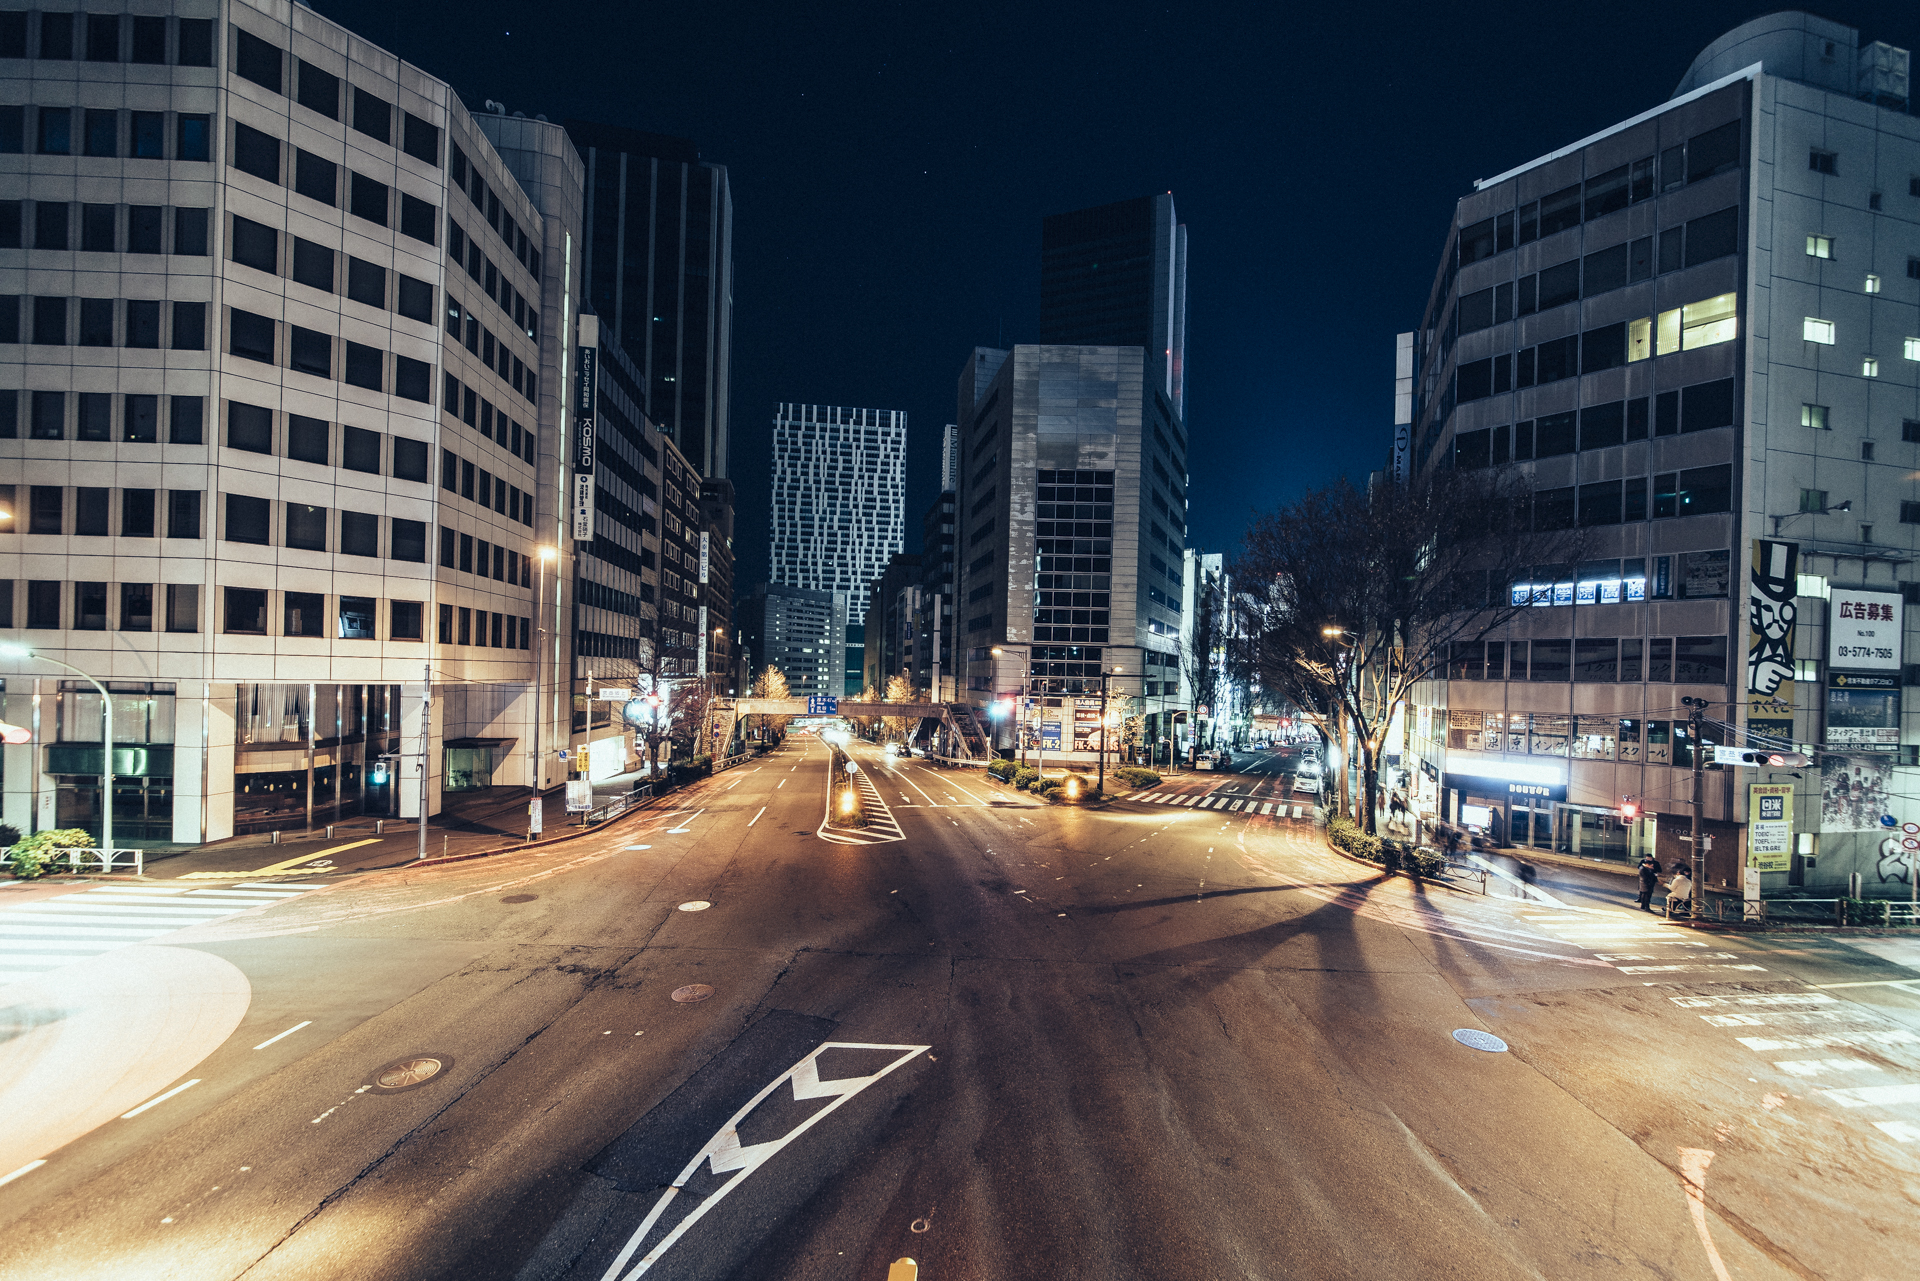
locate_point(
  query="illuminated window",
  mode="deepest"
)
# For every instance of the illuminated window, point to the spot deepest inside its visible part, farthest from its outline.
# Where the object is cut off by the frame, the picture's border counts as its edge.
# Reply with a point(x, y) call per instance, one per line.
point(1820, 331)
point(1873, 283)
point(1912, 349)
point(1667, 332)
point(1819, 246)
point(1870, 367)
point(1704, 323)
point(1640, 339)
point(1814, 416)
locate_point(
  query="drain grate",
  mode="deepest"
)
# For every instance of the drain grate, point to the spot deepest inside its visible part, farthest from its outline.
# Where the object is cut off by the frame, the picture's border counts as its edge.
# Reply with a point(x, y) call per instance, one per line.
point(692, 992)
point(410, 1072)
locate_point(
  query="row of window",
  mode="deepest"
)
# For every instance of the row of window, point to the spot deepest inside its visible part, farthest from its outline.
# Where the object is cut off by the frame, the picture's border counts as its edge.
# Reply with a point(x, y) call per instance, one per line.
point(1702, 240)
point(1689, 660)
point(476, 411)
point(494, 354)
point(1697, 491)
point(255, 337)
point(470, 555)
point(1701, 156)
point(103, 38)
point(468, 179)
point(46, 601)
point(92, 416)
point(319, 91)
point(250, 520)
point(318, 179)
point(105, 322)
point(140, 511)
point(465, 252)
point(1096, 634)
point(1699, 575)
point(311, 440)
point(258, 246)
point(460, 476)
point(104, 131)
point(1700, 407)
point(1081, 581)
point(1701, 324)
point(104, 229)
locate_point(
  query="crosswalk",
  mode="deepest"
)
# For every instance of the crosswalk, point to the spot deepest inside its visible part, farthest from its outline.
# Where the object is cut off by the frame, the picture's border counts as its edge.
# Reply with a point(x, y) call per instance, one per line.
point(1226, 804)
point(43, 935)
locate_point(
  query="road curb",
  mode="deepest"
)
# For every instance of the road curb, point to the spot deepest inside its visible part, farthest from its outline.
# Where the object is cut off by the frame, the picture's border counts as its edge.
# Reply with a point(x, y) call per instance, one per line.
point(1386, 875)
point(644, 808)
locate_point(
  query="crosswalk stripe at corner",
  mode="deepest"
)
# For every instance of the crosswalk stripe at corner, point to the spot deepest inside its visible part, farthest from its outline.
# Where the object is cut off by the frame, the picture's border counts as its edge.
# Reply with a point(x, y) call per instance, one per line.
point(39, 937)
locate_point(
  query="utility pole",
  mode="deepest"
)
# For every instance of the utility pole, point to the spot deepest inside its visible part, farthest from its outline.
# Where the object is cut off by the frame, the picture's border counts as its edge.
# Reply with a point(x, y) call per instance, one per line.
point(1101, 785)
point(426, 741)
point(1697, 718)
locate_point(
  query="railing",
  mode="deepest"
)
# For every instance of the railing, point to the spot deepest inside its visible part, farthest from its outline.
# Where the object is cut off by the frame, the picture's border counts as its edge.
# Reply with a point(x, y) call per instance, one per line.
point(978, 762)
point(728, 762)
point(77, 857)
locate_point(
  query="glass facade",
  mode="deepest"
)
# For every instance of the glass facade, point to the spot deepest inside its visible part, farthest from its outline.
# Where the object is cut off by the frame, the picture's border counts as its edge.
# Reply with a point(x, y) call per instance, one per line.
point(304, 754)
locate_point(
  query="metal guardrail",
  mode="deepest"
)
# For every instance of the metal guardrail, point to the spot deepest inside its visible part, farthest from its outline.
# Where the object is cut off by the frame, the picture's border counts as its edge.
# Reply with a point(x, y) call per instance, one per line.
point(76, 858)
point(728, 762)
point(976, 762)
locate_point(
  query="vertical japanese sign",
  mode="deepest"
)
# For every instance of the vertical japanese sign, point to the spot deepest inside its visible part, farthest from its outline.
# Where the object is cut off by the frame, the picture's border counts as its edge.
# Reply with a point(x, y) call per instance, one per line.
point(1769, 826)
point(703, 640)
point(705, 535)
point(586, 380)
point(1770, 619)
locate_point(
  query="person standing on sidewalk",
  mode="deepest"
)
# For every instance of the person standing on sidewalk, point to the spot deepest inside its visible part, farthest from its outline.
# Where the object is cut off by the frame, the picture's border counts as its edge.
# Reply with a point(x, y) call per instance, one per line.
point(1649, 877)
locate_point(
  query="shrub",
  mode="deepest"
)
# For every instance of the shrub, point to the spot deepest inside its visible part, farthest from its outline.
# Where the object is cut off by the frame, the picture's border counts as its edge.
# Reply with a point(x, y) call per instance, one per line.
point(1343, 835)
point(1002, 768)
point(1023, 777)
point(36, 855)
point(1133, 777)
point(1423, 862)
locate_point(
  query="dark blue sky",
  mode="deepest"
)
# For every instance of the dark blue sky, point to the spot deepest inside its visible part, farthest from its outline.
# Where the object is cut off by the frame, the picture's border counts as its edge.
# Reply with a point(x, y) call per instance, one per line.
point(891, 165)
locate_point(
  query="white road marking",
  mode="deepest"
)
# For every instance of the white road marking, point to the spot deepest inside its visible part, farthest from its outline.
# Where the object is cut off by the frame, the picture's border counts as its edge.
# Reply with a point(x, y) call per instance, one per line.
point(756, 817)
point(1898, 1131)
point(781, 783)
point(1875, 1095)
point(724, 1153)
point(964, 792)
point(159, 1098)
point(1819, 1067)
point(1893, 1037)
point(289, 1032)
point(916, 787)
point(28, 1168)
point(42, 936)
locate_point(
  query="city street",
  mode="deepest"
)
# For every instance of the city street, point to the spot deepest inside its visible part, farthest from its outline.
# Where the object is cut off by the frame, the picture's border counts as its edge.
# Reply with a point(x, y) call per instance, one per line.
point(1154, 1038)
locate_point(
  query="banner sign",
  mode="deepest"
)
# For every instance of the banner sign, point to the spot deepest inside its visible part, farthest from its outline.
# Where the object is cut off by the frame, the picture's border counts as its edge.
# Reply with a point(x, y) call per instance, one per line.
point(1770, 618)
point(1769, 826)
point(703, 636)
point(1863, 631)
point(704, 536)
point(585, 424)
point(1863, 711)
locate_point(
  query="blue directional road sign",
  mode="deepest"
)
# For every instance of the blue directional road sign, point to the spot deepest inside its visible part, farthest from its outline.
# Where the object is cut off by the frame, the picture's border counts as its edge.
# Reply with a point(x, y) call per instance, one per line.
point(822, 705)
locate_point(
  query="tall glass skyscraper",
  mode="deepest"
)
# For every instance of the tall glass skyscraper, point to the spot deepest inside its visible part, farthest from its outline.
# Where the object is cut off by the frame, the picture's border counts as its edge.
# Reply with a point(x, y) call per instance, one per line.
point(659, 268)
point(1116, 276)
point(839, 498)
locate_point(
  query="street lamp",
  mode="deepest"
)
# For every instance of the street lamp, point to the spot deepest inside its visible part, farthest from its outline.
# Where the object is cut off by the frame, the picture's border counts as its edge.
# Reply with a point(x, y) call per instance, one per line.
point(13, 649)
point(543, 556)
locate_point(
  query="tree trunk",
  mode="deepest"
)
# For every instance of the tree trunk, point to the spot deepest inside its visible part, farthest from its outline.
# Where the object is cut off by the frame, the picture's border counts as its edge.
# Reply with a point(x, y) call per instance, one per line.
point(1372, 784)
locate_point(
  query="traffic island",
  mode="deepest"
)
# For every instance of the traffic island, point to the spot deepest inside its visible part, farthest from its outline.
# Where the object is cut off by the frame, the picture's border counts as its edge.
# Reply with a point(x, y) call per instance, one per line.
point(846, 808)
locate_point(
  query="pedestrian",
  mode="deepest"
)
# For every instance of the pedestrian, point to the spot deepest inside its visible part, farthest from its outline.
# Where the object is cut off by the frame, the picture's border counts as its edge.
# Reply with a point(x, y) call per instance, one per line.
point(1453, 842)
point(1649, 877)
point(1680, 893)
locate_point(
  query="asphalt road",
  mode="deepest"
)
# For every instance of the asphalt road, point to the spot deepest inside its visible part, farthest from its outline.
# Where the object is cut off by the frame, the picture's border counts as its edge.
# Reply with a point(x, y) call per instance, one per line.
point(1149, 1040)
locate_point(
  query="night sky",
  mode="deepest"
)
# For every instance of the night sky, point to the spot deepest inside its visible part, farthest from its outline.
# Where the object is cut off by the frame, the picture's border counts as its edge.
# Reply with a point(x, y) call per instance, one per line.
point(891, 164)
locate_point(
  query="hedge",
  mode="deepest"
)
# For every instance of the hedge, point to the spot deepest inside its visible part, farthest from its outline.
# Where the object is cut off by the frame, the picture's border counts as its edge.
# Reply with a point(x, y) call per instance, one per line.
point(36, 855)
point(1002, 768)
point(1345, 835)
point(1133, 777)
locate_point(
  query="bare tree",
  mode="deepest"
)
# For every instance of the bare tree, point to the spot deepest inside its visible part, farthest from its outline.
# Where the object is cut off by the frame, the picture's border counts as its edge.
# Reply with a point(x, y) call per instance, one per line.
point(899, 690)
point(1347, 599)
point(772, 683)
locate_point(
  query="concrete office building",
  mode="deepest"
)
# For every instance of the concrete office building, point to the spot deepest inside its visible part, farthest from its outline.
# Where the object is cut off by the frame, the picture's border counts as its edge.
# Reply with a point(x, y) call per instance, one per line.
point(800, 631)
point(659, 262)
point(893, 612)
point(1693, 335)
point(934, 655)
point(839, 500)
point(283, 338)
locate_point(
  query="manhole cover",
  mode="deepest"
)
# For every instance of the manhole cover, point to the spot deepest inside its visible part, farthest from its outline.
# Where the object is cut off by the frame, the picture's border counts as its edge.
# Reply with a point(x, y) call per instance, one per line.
point(411, 1072)
point(519, 898)
point(692, 992)
point(698, 905)
point(1474, 1039)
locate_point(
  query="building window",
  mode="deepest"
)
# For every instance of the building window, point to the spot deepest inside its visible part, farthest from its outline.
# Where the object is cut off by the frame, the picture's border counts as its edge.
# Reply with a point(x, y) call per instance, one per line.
point(1873, 284)
point(1813, 500)
point(356, 618)
point(1910, 513)
point(1866, 451)
point(1869, 367)
point(1814, 330)
point(404, 619)
point(1822, 161)
point(1910, 348)
point(246, 611)
point(303, 614)
point(1819, 246)
point(248, 519)
point(1814, 416)
point(183, 606)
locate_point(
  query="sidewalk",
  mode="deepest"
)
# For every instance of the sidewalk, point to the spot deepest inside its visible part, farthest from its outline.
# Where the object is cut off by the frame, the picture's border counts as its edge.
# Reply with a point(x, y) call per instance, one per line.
point(471, 823)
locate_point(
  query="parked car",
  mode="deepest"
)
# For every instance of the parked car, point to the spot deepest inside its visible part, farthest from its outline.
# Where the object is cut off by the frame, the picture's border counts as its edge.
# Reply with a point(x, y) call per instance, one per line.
point(1306, 784)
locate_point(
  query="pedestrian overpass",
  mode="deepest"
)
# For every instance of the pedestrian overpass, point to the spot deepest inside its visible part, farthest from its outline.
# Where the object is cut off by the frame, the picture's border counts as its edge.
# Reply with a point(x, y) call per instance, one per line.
point(958, 727)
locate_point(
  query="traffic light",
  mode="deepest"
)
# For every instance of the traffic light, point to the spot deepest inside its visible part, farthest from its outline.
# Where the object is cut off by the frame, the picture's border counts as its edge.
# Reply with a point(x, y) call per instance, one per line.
point(1629, 809)
point(1750, 758)
point(14, 735)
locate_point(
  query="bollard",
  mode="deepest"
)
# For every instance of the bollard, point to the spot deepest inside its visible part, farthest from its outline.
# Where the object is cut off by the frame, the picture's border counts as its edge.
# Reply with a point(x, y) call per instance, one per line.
point(379, 826)
point(329, 831)
point(273, 838)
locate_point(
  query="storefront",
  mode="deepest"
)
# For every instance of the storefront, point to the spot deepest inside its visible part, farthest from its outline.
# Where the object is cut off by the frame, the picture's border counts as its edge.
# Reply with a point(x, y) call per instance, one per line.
point(1510, 802)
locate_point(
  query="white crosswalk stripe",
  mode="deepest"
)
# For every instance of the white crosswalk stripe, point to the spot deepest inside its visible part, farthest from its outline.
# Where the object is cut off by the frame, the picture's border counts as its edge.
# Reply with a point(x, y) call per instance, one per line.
point(1266, 808)
point(44, 935)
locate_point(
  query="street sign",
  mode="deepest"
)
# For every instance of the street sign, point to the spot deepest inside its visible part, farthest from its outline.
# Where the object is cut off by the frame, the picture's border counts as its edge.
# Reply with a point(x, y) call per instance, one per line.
point(613, 693)
point(1749, 757)
point(579, 795)
point(822, 704)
